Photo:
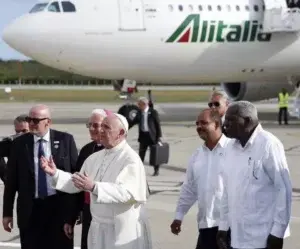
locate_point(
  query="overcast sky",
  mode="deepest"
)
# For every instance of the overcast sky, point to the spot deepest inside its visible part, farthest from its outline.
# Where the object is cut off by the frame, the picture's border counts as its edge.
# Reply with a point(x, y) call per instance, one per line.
point(9, 10)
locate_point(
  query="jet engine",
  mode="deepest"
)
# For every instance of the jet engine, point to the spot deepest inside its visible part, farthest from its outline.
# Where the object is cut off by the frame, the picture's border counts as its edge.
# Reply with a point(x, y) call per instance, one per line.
point(255, 91)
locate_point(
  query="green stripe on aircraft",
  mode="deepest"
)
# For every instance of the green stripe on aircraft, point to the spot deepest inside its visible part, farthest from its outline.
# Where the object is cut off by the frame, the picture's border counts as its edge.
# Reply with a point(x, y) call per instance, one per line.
point(194, 30)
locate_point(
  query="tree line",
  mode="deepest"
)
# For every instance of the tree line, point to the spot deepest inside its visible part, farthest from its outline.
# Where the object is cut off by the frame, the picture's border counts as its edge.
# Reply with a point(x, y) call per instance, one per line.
point(33, 72)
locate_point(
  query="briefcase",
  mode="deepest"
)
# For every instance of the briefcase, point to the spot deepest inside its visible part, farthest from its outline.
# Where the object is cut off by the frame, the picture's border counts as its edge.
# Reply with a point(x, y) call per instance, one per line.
point(159, 154)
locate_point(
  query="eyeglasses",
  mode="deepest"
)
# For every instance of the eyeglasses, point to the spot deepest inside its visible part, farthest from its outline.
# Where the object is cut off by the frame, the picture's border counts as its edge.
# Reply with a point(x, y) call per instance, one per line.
point(211, 104)
point(34, 120)
point(94, 125)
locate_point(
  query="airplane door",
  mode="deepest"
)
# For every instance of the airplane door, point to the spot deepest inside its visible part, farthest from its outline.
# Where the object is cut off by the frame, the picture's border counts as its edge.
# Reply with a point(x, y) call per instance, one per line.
point(279, 18)
point(131, 15)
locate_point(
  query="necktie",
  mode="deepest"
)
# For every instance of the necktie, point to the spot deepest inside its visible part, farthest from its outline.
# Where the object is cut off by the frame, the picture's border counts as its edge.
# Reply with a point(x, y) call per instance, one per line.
point(42, 180)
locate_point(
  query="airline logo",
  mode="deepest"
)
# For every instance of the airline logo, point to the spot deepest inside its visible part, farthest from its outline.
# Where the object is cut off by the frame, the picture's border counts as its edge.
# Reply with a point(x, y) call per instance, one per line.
point(194, 30)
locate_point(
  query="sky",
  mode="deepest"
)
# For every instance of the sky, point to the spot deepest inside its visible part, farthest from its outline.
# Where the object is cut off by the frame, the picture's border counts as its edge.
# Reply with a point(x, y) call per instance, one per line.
point(10, 9)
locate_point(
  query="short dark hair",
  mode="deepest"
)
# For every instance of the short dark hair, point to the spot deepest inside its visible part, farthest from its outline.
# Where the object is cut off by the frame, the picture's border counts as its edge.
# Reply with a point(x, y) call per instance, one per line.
point(20, 118)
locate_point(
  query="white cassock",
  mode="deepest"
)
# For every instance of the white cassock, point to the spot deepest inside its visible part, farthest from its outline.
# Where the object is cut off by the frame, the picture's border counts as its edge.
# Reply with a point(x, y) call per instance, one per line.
point(117, 201)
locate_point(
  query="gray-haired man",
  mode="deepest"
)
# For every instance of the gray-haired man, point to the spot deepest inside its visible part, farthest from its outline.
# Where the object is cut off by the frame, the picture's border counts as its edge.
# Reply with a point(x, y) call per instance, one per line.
point(149, 128)
point(21, 126)
point(219, 101)
point(257, 197)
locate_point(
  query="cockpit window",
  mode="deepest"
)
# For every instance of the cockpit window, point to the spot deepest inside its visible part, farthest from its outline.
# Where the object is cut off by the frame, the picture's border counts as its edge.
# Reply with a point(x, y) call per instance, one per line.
point(54, 7)
point(68, 6)
point(38, 7)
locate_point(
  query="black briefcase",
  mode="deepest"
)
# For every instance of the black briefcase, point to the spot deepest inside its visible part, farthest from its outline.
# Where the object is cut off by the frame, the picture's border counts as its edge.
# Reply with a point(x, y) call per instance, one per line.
point(159, 154)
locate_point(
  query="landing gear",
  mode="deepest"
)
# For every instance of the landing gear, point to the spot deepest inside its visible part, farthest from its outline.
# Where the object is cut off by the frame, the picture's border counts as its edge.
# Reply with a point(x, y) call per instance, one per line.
point(129, 111)
point(127, 88)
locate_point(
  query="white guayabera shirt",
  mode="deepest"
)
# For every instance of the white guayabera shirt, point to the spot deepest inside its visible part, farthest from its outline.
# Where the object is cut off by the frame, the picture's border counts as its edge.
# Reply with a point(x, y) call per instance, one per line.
point(257, 191)
point(203, 185)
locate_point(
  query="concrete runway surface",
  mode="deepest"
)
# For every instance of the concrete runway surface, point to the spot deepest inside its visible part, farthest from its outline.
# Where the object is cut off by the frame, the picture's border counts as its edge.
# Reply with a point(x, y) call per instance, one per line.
point(76, 113)
point(183, 141)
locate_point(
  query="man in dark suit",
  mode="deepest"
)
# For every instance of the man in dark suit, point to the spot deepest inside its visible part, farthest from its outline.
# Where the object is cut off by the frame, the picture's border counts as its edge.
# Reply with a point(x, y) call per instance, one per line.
point(41, 210)
point(94, 126)
point(21, 127)
point(149, 128)
point(219, 101)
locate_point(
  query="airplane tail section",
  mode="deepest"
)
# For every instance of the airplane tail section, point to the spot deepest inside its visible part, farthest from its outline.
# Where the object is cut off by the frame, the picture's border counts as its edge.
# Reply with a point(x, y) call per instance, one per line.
point(278, 17)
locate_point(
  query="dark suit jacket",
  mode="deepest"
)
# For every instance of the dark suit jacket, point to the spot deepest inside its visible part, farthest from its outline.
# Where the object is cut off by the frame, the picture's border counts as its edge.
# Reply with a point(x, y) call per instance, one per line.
point(5, 146)
point(21, 176)
point(223, 130)
point(153, 124)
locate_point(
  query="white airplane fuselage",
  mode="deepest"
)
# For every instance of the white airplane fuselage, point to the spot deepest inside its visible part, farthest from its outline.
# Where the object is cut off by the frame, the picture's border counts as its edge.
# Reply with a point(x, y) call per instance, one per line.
point(157, 41)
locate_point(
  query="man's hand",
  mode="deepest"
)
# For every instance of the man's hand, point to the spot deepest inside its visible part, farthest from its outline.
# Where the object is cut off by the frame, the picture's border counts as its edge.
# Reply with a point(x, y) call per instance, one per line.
point(222, 240)
point(82, 182)
point(8, 224)
point(48, 166)
point(176, 227)
point(274, 242)
point(79, 220)
point(68, 229)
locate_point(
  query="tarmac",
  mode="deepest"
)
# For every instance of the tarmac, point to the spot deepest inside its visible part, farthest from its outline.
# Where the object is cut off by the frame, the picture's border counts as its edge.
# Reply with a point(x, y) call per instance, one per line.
point(183, 140)
point(76, 113)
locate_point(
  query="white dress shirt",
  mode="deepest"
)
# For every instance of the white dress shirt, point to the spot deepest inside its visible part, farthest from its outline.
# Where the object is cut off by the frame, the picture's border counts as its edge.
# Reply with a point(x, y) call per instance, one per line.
point(203, 184)
point(47, 150)
point(145, 127)
point(257, 191)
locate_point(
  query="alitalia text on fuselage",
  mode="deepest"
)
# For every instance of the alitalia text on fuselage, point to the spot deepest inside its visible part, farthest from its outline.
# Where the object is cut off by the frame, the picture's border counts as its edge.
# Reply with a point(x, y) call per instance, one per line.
point(195, 30)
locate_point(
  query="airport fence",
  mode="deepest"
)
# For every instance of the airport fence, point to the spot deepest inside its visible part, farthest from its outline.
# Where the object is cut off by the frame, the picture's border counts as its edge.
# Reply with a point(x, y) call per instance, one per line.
point(95, 82)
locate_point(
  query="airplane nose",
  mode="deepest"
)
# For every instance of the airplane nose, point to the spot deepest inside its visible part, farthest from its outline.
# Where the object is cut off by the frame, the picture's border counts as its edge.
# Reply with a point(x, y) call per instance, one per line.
point(9, 34)
point(14, 34)
point(21, 34)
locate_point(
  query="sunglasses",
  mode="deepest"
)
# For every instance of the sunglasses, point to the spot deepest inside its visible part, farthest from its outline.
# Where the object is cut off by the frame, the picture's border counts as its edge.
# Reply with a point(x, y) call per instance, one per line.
point(94, 125)
point(21, 131)
point(34, 120)
point(211, 104)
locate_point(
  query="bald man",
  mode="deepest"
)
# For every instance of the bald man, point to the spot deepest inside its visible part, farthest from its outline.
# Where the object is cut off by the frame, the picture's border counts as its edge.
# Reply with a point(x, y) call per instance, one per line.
point(41, 210)
point(116, 180)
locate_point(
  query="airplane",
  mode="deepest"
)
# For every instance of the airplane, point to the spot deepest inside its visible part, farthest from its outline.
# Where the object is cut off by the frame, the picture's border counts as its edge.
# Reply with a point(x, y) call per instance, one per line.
point(250, 47)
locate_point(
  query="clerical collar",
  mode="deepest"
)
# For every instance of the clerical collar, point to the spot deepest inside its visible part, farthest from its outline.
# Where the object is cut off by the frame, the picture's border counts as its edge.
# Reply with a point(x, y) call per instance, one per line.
point(116, 148)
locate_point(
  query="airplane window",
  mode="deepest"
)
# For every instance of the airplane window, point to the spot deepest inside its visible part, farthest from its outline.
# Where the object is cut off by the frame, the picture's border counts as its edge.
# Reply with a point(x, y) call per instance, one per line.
point(237, 8)
point(180, 7)
point(200, 7)
point(68, 6)
point(256, 7)
point(54, 7)
point(38, 7)
point(209, 7)
point(247, 8)
point(171, 7)
point(263, 7)
point(219, 8)
point(228, 8)
point(190, 7)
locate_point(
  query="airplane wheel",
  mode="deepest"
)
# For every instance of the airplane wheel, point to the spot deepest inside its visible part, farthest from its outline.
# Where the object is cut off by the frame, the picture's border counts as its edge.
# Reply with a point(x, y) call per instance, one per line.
point(129, 111)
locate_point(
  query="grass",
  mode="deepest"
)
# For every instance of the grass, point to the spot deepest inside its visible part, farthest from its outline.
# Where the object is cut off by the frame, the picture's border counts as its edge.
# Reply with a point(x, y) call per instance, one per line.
point(100, 96)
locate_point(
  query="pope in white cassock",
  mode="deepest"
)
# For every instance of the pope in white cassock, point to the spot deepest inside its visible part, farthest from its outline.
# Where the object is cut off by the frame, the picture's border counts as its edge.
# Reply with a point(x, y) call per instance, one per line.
point(116, 180)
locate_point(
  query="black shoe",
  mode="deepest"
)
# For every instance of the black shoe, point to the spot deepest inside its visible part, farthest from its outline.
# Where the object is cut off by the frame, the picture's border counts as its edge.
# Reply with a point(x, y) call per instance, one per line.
point(155, 173)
